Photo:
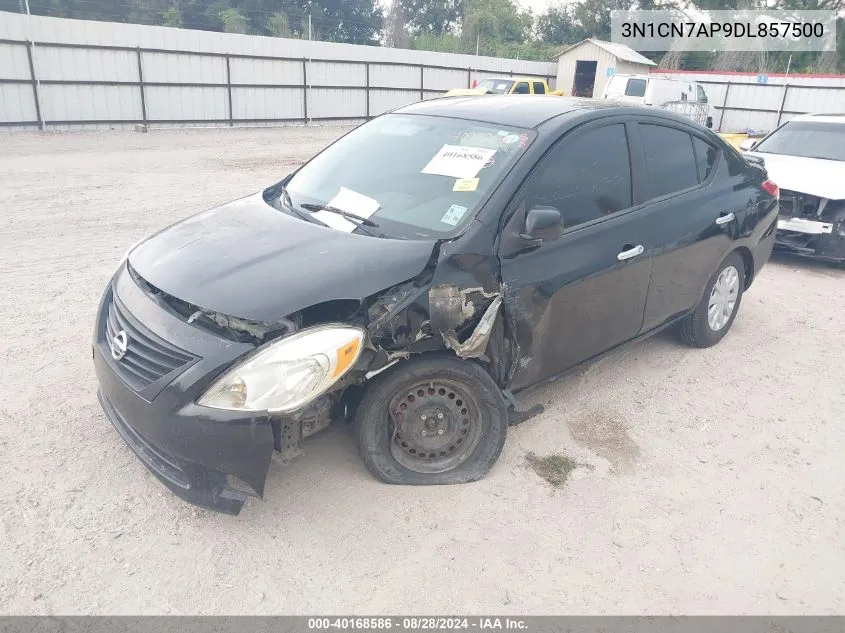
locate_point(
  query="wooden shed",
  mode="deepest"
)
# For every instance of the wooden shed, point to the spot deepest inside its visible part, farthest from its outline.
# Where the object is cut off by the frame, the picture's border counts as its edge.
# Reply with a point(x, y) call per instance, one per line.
point(584, 68)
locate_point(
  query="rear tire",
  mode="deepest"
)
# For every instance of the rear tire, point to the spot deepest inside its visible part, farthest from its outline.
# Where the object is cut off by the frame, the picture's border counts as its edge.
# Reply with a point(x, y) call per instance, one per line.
point(431, 420)
point(715, 313)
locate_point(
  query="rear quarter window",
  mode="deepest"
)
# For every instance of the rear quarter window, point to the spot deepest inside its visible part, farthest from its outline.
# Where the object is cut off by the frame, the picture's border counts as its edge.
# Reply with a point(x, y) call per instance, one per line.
point(635, 88)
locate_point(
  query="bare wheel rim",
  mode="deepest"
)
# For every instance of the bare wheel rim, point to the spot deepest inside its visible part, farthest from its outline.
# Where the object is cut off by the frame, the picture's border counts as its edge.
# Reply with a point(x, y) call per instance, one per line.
point(723, 298)
point(436, 425)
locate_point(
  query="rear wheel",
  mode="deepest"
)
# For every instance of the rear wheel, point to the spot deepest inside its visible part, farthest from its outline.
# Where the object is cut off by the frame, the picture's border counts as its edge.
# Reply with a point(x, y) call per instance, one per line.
point(436, 420)
point(715, 313)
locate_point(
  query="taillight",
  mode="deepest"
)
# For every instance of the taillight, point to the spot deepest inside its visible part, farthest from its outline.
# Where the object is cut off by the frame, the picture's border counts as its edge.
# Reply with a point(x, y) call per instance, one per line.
point(771, 188)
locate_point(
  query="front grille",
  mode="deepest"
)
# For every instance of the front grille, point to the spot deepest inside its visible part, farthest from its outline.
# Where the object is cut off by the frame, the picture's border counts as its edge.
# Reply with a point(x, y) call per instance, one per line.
point(147, 357)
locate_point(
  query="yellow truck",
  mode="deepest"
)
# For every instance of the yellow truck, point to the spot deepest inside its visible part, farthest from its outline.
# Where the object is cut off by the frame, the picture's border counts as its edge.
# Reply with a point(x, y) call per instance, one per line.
point(506, 85)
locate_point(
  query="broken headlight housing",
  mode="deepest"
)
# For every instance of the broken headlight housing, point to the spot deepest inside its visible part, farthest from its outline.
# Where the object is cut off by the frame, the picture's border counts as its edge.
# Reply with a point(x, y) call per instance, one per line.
point(287, 373)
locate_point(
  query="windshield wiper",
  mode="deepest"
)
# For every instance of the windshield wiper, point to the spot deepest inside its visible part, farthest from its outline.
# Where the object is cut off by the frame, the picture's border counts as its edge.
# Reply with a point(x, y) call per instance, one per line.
point(349, 216)
point(288, 203)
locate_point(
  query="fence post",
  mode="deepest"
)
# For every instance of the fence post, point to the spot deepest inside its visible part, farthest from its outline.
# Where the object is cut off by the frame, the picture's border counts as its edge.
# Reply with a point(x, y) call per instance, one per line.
point(367, 88)
point(141, 86)
point(229, 89)
point(34, 85)
point(305, 90)
point(469, 77)
point(422, 82)
point(782, 103)
point(724, 105)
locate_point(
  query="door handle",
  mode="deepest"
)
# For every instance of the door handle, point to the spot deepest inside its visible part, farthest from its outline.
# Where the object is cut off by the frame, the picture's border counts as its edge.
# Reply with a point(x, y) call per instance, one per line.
point(631, 252)
point(724, 219)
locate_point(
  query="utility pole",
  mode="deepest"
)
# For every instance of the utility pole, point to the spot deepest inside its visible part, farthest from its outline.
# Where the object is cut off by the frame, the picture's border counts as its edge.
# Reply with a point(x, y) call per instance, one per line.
point(477, 43)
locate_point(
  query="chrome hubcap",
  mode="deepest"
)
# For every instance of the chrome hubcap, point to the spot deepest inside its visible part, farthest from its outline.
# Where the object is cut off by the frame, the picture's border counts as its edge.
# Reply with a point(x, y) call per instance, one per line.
point(723, 299)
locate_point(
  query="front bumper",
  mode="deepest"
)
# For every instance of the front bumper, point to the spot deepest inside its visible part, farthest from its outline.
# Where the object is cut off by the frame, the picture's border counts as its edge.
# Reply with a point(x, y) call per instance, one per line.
point(208, 457)
point(810, 238)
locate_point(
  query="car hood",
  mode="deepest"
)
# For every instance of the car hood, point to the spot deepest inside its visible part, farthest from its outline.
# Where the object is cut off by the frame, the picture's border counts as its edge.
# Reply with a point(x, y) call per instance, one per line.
point(249, 260)
point(814, 176)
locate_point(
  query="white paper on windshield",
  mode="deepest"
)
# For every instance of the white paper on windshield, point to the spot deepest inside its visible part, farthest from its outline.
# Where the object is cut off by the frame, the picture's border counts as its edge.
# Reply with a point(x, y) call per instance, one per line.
point(351, 202)
point(458, 161)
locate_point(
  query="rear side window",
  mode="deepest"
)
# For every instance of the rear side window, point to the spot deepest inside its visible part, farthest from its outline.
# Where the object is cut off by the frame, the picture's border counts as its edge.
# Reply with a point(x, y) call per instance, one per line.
point(705, 157)
point(522, 88)
point(539, 88)
point(635, 88)
point(586, 177)
point(670, 160)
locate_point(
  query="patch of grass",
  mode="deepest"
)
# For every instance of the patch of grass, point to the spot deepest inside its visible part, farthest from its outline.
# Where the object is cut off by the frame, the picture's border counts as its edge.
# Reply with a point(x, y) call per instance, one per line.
point(554, 468)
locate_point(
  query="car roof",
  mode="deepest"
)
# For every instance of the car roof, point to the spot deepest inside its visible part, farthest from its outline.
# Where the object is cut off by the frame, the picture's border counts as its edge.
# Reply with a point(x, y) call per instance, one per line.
point(526, 111)
point(821, 118)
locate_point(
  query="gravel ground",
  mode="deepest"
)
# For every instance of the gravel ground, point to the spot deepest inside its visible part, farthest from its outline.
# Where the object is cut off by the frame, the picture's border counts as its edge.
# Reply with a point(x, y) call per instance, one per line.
point(715, 485)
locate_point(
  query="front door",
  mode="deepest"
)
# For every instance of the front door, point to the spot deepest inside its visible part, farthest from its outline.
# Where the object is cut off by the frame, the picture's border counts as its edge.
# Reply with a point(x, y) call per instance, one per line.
point(575, 297)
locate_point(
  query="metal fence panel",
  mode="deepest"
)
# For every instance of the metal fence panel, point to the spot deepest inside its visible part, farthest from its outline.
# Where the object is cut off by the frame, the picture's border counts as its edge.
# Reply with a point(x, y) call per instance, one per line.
point(75, 64)
point(382, 101)
point(17, 103)
point(267, 103)
point(14, 63)
point(90, 103)
point(266, 71)
point(176, 68)
point(180, 103)
point(334, 103)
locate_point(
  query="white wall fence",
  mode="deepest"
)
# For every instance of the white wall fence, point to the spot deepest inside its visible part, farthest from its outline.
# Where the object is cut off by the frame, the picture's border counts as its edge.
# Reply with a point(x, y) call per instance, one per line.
point(747, 102)
point(68, 74)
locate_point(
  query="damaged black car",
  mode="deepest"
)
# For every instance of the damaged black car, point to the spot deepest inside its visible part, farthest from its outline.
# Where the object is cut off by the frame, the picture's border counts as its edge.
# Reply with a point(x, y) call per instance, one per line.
point(413, 278)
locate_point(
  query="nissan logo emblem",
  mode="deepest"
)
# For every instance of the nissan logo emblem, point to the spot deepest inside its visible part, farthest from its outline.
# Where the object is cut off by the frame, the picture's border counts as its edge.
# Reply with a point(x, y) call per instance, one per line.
point(118, 345)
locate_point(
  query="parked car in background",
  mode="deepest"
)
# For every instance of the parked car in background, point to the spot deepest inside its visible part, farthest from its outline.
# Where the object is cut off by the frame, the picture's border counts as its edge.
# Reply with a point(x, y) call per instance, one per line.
point(805, 157)
point(512, 239)
point(506, 85)
point(686, 98)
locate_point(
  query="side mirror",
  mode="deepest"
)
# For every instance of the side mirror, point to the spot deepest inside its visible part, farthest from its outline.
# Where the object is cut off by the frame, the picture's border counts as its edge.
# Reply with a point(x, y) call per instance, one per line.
point(542, 224)
point(748, 144)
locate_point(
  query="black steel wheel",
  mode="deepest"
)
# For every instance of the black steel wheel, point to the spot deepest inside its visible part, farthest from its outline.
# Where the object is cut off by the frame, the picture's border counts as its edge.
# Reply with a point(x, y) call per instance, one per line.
point(435, 420)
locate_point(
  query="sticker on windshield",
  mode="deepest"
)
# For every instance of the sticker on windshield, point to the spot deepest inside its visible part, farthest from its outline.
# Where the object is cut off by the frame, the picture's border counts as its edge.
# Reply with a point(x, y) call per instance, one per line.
point(501, 86)
point(510, 139)
point(457, 161)
point(465, 184)
point(453, 215)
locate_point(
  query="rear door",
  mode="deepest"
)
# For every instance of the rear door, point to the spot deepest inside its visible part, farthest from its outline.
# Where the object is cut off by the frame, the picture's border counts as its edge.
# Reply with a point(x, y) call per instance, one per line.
point(577, 296)
point(696, 202)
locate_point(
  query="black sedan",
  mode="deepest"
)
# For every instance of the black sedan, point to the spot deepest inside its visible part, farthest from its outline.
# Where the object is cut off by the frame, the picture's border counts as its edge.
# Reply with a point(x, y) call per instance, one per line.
point(414, 277)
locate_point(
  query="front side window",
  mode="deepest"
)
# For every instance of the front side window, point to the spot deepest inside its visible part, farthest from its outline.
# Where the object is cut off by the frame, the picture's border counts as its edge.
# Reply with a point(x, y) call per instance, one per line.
point(586, 177)
point(808, 139)
point(635, 88)
point(522, 88)
point(669, 159)
point(425, 176)
point(496, 86)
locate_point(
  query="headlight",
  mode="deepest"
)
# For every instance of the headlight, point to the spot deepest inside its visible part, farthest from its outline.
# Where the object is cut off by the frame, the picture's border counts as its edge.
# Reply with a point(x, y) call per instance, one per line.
point(286, 374)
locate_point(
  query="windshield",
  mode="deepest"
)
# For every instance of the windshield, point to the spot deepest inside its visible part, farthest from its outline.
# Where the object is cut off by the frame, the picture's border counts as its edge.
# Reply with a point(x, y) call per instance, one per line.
point(498, 86)
point(808, 139)
point(414, 176)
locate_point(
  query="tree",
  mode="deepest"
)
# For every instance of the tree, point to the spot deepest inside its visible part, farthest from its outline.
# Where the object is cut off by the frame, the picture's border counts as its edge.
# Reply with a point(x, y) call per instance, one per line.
point(557, 26)
point(431, 17)
point(495, 21)
point(348, 21)
point(395, 34)
point(233, 21)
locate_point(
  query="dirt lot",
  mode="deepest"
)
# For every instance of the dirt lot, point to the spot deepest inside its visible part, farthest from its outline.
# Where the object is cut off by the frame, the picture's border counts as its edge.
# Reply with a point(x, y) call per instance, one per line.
point(717, 481)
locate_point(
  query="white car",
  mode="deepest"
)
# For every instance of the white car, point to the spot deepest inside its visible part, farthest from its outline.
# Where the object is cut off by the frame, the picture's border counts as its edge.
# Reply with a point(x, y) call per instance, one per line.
point(805, 157)
point(680, 96)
